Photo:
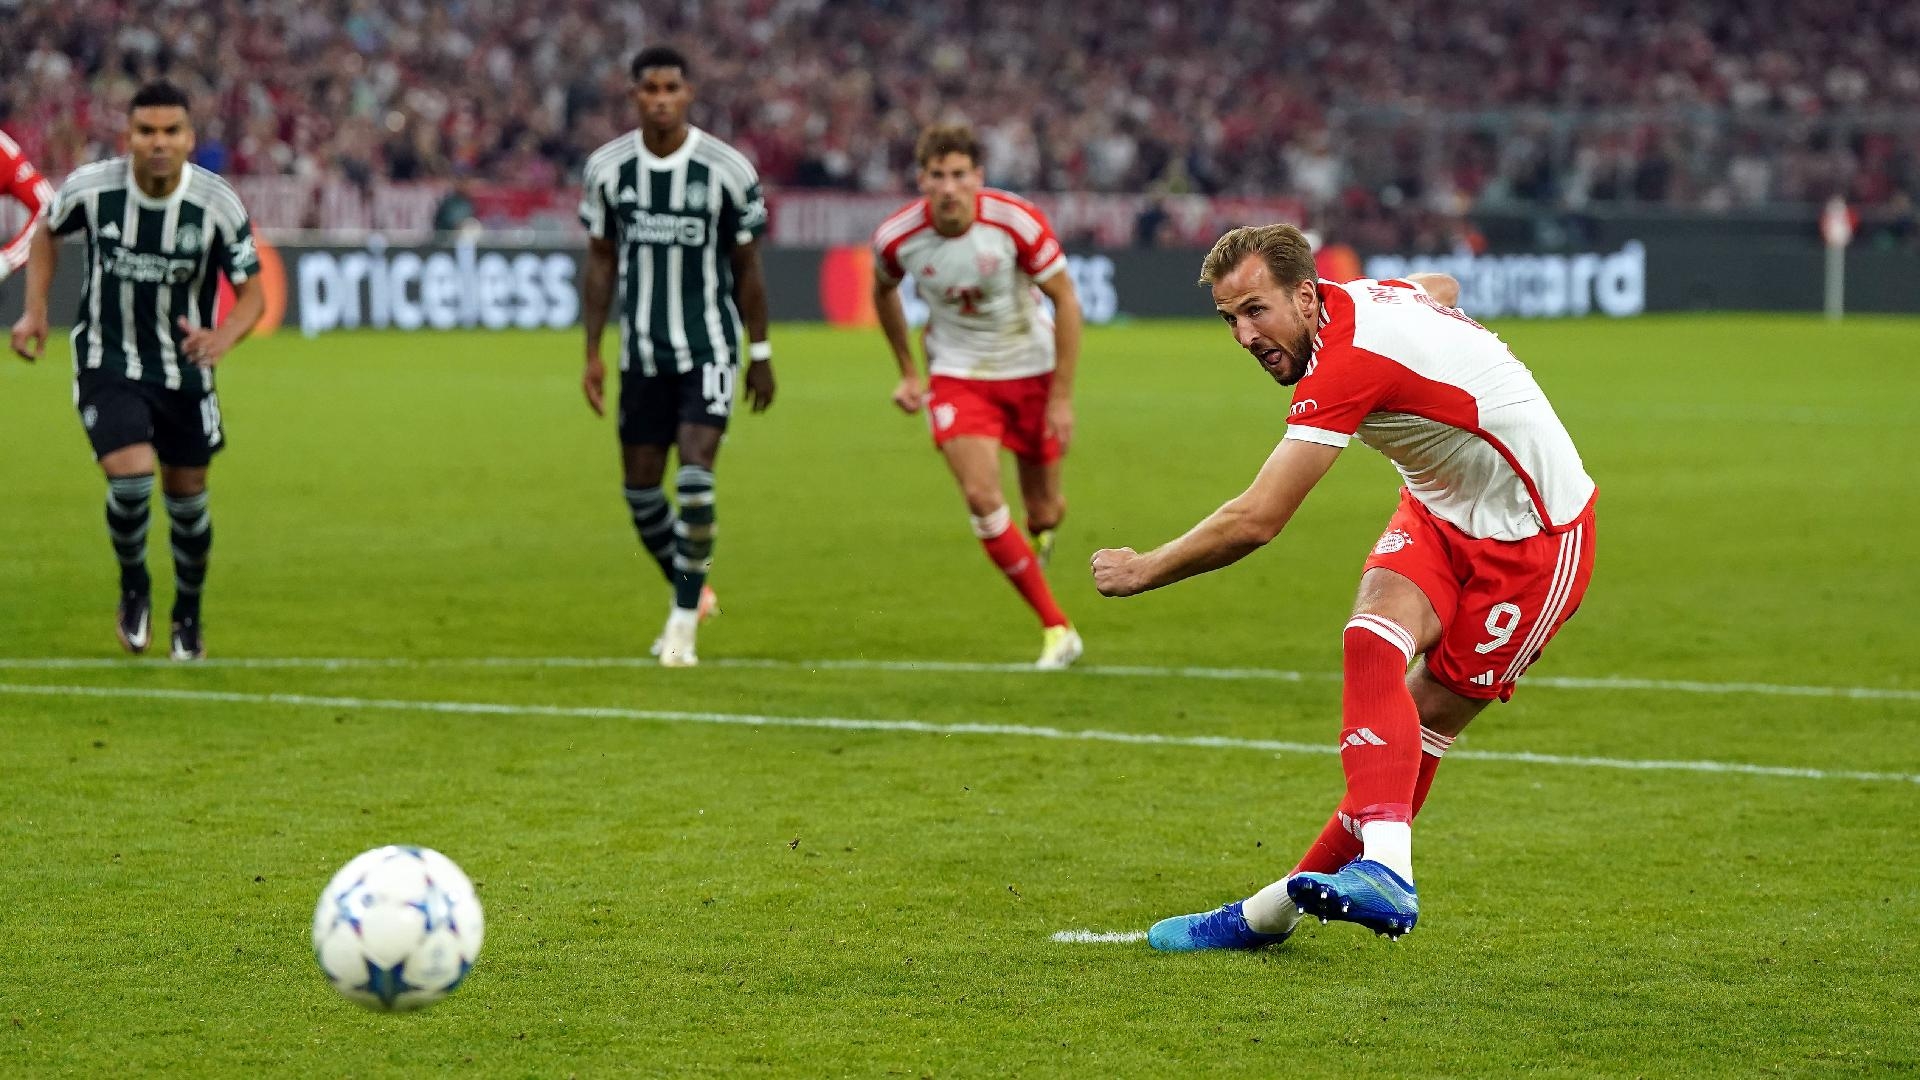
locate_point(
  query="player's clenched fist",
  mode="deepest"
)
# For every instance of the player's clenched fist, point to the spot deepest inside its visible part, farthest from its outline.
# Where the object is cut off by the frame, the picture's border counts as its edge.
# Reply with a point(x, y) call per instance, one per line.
point(1116, 571)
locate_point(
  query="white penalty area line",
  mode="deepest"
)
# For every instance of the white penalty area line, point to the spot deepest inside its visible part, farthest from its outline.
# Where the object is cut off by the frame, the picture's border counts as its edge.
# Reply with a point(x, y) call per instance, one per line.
point(1091, 937)
point(920, 727)
point(1228, 674)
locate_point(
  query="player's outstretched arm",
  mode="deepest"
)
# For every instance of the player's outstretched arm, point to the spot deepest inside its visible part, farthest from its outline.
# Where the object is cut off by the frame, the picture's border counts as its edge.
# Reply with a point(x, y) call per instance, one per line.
point(1244, 525)
point(910, 393)
point(750, 293)
point(1442, 287)
point(596, 296)
point(1066, 354)
point(30, 332)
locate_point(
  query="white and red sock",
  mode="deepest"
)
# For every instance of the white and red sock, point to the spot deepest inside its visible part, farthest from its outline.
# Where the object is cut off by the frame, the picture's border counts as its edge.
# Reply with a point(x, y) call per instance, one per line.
point(1010, 552)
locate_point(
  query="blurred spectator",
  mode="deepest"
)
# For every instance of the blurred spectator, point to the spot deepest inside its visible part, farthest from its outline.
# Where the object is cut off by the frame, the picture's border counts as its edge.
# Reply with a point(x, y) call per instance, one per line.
point(456, 212)
point(1371, 109)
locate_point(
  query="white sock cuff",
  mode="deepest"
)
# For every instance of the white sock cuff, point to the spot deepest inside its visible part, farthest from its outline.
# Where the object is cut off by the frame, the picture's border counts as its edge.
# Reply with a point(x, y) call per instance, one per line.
point(986, 528)
point(1435, 743)
point(1391, 632)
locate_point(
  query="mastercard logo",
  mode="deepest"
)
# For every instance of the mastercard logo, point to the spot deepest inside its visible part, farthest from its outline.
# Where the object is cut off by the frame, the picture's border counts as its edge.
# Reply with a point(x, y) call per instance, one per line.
point(273, 279)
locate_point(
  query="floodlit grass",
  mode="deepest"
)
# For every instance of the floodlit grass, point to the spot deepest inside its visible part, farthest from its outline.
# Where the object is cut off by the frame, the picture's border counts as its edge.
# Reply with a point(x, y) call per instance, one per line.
point(675, 887)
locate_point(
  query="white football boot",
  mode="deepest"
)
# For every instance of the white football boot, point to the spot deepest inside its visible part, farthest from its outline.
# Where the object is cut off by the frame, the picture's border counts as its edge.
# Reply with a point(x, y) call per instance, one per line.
point(676, 641)
point(709, 607)
point(1060, 648)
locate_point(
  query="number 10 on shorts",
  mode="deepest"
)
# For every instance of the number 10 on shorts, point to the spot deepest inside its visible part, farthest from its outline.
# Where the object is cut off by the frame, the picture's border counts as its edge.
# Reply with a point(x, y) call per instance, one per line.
point(716, 385)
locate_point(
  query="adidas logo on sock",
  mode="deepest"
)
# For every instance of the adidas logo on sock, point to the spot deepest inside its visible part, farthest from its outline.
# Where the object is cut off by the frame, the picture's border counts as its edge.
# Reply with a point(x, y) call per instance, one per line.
point(1363, 737)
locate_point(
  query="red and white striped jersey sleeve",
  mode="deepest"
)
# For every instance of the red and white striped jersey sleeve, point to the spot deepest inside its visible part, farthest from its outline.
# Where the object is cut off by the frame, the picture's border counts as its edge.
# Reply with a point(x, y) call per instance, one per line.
point(1036, 249)
point(893, 233)
point(1342, 384)
point(21, 180)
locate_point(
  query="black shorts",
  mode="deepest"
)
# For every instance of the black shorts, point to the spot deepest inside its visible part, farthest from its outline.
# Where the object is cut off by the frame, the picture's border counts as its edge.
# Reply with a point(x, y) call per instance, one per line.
point(118, 412)
point(653, 408)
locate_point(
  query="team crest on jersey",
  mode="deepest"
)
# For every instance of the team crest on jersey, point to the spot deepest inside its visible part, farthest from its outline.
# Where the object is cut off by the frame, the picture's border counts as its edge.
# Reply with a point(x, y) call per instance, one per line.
point(1394, 540)
point(696, 196)
point(987, 263)
point(186, 240)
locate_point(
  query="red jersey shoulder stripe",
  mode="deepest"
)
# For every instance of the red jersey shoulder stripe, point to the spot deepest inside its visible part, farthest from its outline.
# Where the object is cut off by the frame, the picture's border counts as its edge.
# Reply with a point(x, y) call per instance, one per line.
point(904, 220)
point(1014, 214)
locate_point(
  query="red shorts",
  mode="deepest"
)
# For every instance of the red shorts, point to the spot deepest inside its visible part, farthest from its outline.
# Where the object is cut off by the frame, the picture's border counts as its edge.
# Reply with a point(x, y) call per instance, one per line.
point(1013, 411)
point(1499, 601)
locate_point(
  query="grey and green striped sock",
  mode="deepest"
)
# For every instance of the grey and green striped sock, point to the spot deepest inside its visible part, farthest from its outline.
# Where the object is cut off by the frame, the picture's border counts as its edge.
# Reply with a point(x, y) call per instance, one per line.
point(129, 511)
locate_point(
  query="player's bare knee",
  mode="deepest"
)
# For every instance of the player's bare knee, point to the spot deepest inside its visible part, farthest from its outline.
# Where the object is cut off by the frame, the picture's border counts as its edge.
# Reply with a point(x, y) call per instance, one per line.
point(1045, 513)
point(983, 501)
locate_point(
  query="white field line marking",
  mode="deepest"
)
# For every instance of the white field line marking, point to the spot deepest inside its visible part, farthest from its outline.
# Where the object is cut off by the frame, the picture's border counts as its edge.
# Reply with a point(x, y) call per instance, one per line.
point(1090, 937)
point(839, 723)
point(351, 663)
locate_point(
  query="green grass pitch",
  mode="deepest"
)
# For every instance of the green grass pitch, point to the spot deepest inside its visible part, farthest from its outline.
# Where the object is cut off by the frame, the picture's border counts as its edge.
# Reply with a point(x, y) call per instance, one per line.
point(673, 887)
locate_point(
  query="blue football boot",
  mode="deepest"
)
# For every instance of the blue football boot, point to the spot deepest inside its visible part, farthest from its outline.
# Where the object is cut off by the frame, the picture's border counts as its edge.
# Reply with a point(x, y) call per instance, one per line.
point(1363, 892)
point(1225, 927)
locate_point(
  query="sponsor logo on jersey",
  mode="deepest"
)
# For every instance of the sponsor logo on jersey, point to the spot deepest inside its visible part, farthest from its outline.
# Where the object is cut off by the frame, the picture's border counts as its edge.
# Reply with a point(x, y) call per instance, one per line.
point(1300, 407)
point(110, 231)
point(243, 256)
point(1485, 678)
point(628, 195)
point(1394, 540)
point(647, 227)
point(147, 268)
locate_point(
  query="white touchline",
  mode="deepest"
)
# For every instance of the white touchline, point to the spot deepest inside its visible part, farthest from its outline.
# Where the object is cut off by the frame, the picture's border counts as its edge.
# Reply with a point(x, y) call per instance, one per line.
point(840, 723)
point(1241, 674)
point(1091, 937)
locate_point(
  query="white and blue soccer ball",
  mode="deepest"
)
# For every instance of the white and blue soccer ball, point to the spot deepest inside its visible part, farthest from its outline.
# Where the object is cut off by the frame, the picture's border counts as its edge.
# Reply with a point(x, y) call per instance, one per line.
point(398, 928)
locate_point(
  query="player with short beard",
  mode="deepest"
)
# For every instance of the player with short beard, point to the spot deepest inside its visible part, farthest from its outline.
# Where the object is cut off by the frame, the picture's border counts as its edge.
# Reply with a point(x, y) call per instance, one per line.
point(160, 232)
point(1488, 555)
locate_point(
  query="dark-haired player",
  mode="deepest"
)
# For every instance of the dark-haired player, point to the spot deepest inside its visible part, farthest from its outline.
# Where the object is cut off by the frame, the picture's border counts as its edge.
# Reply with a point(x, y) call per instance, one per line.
point(673, 219)
point(159, 232)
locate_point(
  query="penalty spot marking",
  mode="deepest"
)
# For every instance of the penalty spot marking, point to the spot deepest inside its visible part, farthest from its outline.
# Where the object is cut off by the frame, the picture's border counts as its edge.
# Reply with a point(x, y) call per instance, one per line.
point(922, 727)
point(1242, 674)
point(1090, 937)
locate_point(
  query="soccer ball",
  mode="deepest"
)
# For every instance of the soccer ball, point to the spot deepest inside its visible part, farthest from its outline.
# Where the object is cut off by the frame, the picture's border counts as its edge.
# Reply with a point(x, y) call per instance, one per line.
point(397, 928)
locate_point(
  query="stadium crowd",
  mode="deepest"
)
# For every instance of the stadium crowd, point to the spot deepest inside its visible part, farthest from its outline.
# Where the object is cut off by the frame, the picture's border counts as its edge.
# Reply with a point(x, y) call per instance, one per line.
point(1361, 109)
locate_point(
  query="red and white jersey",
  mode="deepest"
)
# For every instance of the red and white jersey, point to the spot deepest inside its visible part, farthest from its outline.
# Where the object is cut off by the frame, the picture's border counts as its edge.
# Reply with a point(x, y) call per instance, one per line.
point(21, 180)
point(1442, 397)
point(984, 316)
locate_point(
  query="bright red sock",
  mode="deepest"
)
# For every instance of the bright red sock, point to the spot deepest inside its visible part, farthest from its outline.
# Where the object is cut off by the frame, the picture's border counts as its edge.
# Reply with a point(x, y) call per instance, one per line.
point(1339, 841)
point(1014, 556)
point(1380, 738)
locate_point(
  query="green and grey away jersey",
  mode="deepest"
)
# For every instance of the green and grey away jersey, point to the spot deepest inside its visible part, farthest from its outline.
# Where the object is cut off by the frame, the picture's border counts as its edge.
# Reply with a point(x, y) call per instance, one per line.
point(150, 262)
point(674, 220)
